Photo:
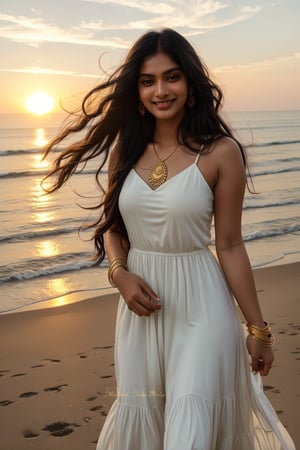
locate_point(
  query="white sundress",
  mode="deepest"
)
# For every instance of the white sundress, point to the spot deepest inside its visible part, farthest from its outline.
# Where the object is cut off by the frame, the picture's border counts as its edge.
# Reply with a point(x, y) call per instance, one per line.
point(183, 375)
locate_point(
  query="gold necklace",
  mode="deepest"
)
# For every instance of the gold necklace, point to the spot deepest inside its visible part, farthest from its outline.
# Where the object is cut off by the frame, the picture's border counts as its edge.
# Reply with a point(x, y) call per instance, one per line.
point(159, 172)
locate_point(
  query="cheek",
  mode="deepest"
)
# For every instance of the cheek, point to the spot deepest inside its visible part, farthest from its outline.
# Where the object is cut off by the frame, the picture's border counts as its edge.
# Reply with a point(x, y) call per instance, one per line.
point(183, 89)
point(143, 93)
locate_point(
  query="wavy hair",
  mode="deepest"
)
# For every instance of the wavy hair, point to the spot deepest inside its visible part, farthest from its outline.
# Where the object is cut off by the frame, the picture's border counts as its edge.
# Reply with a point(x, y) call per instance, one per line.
point(110, 115)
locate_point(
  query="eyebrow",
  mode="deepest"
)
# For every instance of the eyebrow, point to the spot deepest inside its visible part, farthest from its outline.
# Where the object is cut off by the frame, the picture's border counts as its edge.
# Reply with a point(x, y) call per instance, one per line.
point(164, 73)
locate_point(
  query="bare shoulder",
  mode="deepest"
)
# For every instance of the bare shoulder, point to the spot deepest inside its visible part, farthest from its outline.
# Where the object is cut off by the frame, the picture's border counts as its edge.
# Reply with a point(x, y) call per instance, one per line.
point(228, 159)
point(226, 150)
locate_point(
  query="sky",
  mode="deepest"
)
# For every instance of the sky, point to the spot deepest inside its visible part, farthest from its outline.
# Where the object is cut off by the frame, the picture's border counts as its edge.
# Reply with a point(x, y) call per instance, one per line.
point(252, 48)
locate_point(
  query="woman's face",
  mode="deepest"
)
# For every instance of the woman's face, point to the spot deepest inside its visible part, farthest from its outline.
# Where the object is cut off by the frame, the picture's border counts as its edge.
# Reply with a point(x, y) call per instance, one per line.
point(163, 87)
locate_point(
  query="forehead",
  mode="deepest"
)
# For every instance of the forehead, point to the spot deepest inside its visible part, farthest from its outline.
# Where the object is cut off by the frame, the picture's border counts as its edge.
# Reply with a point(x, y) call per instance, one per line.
point(158, 63)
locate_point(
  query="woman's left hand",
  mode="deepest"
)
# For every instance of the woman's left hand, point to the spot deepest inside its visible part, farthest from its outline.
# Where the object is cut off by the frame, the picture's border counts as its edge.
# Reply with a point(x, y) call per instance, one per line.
point(262, 356)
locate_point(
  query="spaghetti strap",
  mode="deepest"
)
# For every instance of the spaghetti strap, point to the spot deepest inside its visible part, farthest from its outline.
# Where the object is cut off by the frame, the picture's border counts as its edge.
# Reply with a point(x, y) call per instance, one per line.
point(197, 159)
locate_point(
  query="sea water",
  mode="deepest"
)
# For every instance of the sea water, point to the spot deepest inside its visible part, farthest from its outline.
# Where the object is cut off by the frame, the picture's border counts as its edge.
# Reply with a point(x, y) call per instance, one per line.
point(44, 256)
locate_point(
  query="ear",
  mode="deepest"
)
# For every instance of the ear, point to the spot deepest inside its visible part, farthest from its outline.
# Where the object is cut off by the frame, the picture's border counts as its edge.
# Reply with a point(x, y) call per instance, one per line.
point(142, 109)
point(190, 100)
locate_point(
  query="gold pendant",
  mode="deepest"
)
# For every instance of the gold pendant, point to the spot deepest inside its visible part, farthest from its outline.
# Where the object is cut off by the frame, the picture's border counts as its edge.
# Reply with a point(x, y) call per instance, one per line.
point(158, 174)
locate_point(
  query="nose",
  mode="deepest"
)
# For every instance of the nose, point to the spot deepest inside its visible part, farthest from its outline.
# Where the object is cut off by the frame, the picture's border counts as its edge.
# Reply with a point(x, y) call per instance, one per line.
point(161, 88)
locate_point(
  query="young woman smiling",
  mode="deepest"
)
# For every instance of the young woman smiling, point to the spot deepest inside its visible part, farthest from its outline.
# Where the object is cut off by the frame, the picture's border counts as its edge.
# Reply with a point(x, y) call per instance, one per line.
point(182, 366)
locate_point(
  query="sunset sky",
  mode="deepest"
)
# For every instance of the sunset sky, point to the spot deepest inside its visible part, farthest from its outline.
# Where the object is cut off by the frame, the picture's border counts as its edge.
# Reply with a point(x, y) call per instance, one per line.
point(251, 47)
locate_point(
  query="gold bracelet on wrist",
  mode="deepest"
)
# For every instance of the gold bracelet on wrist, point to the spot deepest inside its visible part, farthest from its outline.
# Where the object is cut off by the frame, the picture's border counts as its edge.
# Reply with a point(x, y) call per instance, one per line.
point(262, 335)
point(120, 262)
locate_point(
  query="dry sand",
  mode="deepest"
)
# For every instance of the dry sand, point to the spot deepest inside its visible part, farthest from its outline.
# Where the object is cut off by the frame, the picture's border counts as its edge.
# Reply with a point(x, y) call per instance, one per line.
point(57, 373)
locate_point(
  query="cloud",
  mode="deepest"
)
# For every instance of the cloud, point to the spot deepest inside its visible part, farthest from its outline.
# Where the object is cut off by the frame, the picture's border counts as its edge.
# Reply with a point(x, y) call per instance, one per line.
point(203, 7)
point(34, 31)
point(47, 71)
point(193, 17)
point(176, 14)
point(258, 65)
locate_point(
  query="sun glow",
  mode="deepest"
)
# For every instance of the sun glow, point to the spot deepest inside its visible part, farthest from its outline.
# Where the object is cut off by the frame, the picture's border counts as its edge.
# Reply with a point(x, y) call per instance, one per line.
point(39, 103)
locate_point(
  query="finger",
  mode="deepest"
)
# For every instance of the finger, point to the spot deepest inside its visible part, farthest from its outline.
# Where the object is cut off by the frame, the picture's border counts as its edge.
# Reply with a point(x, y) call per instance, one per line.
point(254, 364)
point(141, 306)
point(265, 369)
point(139, 309)
point(149, 293)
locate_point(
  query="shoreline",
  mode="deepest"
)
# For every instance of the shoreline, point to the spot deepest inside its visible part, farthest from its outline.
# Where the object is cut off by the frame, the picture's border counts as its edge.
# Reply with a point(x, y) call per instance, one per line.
point(106, 289)
point(57, 366)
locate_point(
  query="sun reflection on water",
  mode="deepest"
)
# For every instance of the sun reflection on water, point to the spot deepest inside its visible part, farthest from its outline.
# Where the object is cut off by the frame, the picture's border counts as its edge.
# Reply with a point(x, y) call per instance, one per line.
point(40, 200)
point(47, 248)
point(43, 217)
point(55, 288)
point(40, 139)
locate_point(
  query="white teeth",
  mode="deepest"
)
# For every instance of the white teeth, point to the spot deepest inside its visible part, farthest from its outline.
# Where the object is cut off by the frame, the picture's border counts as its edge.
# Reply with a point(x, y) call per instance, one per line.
point(163, 102)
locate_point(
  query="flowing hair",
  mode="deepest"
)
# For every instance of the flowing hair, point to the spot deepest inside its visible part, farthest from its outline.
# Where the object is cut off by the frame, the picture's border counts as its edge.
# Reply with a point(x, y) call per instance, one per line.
point(111, 119)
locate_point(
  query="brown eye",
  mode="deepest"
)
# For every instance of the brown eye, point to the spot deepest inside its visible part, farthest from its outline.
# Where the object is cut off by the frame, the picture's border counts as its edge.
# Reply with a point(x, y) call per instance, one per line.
point(146, 82)
point(174, 77)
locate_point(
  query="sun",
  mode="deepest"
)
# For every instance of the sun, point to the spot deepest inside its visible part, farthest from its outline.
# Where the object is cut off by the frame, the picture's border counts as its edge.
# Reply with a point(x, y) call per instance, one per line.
point(39, 103)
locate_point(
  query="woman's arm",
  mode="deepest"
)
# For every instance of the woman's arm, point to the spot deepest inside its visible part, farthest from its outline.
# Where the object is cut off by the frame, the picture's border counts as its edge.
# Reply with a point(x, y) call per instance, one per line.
point(231, 252)
point(138, 295)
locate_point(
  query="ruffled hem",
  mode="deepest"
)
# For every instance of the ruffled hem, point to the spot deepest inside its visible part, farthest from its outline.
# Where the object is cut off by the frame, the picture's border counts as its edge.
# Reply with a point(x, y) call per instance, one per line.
point(223, 425)
point(207, 426)
point(130, 427)
point(194, 423)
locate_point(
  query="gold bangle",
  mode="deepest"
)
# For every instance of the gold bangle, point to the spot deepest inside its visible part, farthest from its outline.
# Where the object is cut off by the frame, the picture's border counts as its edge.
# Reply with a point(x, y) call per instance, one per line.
point(120, 262)
point(262, 335)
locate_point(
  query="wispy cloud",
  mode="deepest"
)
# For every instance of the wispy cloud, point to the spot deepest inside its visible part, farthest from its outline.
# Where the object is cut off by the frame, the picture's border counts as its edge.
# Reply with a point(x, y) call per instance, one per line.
point(48, 71)
point(203, 7)
point(259, 65)
point(194, 16)
point(34, 31)
point(191, 16)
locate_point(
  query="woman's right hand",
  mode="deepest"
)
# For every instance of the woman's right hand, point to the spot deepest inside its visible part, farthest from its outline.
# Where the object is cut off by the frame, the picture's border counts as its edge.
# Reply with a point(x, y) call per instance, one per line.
point(137, 294)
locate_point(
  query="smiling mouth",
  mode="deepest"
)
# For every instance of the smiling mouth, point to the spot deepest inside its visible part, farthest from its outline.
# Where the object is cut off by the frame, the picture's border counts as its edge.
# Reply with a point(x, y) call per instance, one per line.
point(164, 102)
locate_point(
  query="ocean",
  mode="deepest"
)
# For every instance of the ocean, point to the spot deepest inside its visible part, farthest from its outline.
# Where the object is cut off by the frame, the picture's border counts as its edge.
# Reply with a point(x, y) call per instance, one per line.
point(46, 261)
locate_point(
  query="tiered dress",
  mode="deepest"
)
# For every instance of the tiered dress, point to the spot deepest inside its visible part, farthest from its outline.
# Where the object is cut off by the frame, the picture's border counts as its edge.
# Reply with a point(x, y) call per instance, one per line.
point(183, 376)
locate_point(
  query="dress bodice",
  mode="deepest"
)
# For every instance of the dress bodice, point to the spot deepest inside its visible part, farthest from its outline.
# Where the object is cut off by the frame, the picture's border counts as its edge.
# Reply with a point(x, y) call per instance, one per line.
point(174, 218)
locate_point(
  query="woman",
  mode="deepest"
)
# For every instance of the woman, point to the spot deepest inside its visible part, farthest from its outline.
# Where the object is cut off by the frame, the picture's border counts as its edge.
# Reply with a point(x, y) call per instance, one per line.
point(181, 360)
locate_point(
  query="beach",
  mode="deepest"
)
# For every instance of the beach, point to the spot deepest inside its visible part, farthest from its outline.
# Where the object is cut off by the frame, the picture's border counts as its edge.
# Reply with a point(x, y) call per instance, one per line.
point(57, 368)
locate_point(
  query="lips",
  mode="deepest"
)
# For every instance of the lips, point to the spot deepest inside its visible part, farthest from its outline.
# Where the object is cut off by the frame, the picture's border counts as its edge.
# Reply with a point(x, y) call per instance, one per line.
point(164, 104)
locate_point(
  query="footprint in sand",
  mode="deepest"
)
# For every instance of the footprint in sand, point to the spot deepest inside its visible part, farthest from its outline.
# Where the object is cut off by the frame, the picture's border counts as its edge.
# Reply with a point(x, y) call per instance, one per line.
point(57, 388)
point(268, 388)
point(90, 399)
point(30, 434)
point(272, 389)
point(60, 429)
point(96, 408)
point(5, 402)
point(106, 376)
point(52, 360)
point(28, 394)
point(4, 372)
point(18, 375)
point(37, 365)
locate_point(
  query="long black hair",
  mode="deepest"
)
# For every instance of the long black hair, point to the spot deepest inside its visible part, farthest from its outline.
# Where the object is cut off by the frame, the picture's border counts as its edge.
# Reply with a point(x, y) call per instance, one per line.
point(110, 115)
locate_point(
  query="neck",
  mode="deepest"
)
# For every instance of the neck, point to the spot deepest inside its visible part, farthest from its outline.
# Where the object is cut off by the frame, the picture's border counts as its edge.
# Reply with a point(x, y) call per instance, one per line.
point(165, 134)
